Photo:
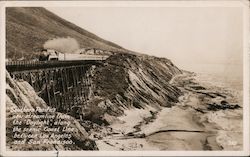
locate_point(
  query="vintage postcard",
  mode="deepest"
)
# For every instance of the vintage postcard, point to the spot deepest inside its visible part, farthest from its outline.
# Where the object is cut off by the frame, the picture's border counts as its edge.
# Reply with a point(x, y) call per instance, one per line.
point(124, 78)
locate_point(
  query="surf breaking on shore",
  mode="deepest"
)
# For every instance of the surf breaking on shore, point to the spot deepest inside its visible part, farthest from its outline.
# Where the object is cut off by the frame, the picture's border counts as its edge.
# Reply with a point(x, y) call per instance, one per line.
point(206, 117)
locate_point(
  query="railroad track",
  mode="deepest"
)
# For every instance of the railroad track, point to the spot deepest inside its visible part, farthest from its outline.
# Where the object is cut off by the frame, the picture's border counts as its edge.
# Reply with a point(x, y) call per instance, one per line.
point(14, 66)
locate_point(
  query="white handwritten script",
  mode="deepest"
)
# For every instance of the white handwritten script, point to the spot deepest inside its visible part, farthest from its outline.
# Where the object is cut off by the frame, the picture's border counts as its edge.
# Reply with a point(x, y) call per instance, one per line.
point(41, 126)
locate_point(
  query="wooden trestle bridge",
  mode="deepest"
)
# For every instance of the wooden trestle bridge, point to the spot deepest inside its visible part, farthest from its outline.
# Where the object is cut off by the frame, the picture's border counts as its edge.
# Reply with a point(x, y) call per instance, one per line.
point(65, 85)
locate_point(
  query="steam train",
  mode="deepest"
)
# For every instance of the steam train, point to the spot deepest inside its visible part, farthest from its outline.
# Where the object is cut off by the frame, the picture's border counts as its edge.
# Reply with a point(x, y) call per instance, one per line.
point(53, 55)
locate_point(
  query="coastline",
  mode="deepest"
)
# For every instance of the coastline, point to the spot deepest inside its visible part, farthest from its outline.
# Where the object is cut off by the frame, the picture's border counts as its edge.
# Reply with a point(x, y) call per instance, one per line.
point(188, 125)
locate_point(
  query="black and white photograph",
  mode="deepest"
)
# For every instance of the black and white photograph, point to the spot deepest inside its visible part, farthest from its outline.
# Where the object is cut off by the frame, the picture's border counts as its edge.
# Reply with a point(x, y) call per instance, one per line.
point(125, 76)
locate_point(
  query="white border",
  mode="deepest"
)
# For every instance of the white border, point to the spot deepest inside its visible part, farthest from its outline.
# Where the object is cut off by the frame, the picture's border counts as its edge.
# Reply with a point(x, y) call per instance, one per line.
point(130, 3)
point(244, 4)
point(2, 79)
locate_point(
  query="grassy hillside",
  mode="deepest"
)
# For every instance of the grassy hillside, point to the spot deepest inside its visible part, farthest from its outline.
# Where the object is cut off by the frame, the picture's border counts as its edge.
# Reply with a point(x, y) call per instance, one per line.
point(28, 28)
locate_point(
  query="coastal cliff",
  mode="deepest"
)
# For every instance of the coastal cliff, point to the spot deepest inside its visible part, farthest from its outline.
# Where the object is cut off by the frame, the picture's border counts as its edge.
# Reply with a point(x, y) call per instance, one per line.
point(24, 104)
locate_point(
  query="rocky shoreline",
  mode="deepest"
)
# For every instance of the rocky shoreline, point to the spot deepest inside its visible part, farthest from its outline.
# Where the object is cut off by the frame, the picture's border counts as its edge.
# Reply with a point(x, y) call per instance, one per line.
point(192, 124)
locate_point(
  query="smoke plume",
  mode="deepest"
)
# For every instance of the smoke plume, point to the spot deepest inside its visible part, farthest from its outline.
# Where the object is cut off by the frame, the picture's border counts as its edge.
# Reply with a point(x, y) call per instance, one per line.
point(64, 45)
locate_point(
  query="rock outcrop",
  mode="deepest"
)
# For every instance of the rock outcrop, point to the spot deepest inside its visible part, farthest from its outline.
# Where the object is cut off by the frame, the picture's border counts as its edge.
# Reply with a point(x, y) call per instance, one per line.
point(129, 81)
point(20, 96)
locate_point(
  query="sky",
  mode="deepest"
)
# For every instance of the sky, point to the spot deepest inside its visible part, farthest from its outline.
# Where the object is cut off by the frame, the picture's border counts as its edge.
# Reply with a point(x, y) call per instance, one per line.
point(189, 36)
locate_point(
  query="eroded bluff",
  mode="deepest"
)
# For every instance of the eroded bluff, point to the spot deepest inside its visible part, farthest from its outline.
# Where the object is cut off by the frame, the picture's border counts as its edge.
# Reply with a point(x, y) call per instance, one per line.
point(129, 81)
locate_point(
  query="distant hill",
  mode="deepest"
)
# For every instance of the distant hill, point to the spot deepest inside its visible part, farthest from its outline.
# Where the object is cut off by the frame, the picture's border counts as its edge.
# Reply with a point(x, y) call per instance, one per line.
point(28, 28)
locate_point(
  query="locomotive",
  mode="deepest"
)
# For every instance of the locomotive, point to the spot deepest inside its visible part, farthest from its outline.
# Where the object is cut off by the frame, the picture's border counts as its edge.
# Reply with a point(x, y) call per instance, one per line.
point(48, 55)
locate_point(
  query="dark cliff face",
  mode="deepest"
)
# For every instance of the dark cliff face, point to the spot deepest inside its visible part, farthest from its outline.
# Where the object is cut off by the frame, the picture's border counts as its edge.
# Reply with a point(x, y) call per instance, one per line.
point(127, 81)
point(28, 28)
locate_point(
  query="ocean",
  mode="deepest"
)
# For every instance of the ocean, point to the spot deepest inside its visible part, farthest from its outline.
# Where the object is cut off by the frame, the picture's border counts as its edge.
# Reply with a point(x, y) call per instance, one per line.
point(223, 75)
